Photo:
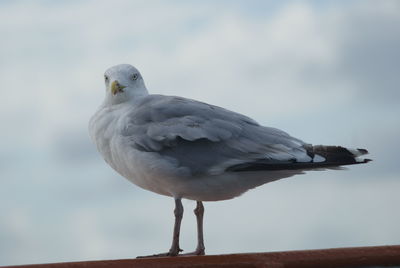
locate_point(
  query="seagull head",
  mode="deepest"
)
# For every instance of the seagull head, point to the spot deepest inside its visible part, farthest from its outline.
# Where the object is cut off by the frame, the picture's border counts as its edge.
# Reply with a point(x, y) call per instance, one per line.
point(123, 83)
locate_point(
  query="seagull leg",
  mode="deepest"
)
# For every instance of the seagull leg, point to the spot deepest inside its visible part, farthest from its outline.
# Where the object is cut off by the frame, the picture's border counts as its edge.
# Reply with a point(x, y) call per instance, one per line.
point(199, 212)
point(174, 250)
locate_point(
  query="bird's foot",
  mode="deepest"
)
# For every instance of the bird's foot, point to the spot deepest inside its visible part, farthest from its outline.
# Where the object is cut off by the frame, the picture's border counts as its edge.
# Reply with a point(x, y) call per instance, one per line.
point(197, 252)
point(166, 254)
point(173, 252)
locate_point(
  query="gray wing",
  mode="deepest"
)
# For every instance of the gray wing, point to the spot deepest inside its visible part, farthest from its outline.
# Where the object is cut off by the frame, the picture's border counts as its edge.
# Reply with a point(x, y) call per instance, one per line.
point(204, 138)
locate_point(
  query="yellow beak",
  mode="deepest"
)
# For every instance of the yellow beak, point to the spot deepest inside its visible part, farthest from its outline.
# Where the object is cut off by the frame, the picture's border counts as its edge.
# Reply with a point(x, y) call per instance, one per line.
point(116, 87)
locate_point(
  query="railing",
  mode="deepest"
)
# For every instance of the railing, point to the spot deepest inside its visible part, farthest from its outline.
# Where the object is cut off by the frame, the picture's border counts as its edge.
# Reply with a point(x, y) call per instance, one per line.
point(382, 256)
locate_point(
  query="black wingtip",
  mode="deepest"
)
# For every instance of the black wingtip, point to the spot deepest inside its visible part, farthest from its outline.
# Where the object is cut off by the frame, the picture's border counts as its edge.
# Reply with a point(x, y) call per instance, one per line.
point(367, 160)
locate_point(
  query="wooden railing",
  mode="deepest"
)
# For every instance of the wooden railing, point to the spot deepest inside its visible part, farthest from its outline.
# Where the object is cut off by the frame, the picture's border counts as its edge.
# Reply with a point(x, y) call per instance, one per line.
point(382, 256)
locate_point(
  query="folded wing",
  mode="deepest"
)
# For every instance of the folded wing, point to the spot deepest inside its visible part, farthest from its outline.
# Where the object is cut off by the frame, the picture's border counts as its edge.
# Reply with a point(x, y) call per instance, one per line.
point(211, 140)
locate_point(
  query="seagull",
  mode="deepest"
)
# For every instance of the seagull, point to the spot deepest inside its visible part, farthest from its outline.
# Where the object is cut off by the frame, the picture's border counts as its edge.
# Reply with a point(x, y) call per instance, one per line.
point(187, 149)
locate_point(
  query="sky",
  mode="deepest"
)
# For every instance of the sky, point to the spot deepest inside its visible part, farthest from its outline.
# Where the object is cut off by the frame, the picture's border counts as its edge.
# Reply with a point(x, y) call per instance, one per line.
point(326, 72)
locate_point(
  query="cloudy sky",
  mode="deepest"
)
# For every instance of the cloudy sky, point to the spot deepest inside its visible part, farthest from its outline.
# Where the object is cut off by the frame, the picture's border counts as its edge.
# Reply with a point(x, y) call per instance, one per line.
point(327, 72)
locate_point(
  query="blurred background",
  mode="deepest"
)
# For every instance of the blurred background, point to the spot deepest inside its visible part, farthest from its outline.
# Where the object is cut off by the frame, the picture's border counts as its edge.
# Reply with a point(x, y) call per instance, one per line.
point(327, 72)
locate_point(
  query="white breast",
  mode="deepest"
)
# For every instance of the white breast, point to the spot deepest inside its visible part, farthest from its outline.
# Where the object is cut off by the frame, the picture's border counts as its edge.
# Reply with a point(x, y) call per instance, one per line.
point(144, 169)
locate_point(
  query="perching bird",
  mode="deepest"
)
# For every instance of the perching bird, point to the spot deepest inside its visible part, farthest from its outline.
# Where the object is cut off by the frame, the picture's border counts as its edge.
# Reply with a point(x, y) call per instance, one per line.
point(184, 148)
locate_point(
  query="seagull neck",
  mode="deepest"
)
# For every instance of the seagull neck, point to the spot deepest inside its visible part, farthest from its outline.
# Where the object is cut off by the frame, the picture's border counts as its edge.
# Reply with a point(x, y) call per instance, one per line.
point(138, 94)
point(131, 96)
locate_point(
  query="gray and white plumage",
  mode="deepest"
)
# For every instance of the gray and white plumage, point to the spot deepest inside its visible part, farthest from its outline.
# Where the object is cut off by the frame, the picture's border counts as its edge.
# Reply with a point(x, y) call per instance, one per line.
point(189, 149)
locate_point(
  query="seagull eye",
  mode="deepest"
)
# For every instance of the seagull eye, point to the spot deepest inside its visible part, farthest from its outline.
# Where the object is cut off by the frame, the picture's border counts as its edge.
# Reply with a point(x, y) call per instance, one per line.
point(106, 78)
point(134, 76)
